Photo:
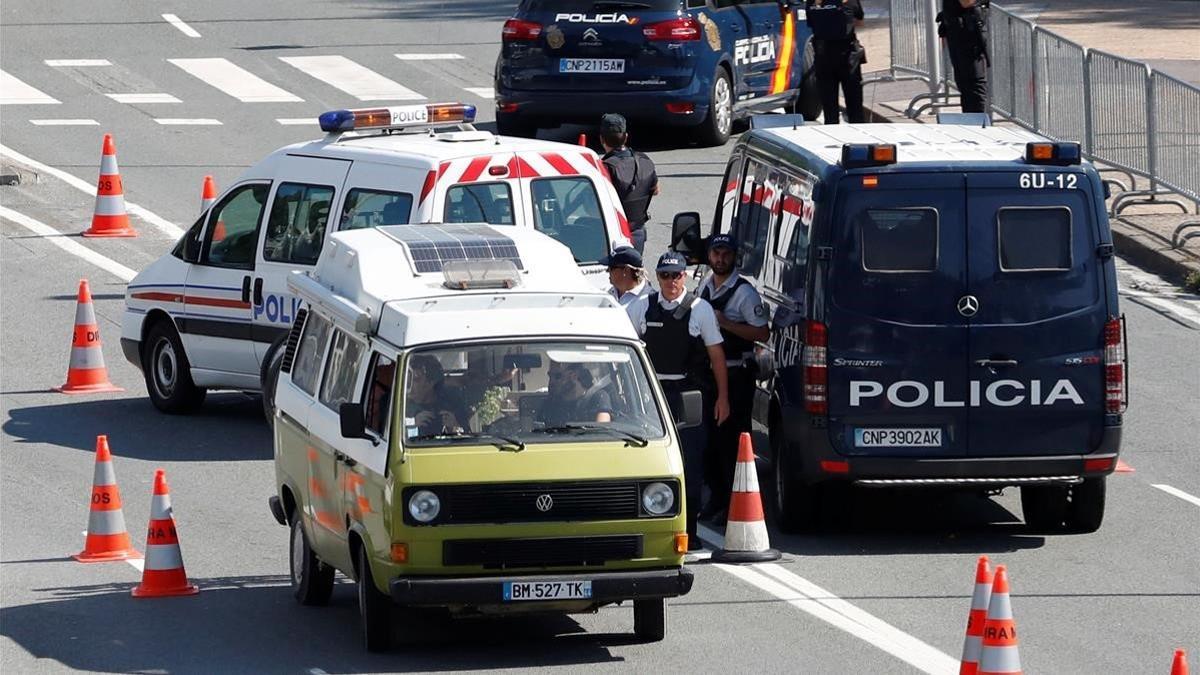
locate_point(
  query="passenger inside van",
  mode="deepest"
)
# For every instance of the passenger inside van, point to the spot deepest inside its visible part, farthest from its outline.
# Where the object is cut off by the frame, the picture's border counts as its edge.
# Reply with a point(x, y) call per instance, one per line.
point(433, 407)
point(574, 396)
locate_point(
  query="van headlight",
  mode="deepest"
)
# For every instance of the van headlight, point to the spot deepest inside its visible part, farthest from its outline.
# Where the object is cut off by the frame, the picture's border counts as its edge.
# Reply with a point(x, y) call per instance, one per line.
point(658, 499)
point(424, 506)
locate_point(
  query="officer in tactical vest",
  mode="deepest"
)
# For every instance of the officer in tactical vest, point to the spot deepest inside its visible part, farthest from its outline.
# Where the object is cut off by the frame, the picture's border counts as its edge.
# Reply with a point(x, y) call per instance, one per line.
point(742, 318)
point(837, 55)
point(964, 25)
point(632, 173)
point(684, 344)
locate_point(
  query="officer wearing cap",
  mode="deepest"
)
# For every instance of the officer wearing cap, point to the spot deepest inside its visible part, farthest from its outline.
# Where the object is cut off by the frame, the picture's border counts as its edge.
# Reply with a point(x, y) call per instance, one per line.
point(684, 343)
point(742, 317)
point(632, 174)
point(626, 278)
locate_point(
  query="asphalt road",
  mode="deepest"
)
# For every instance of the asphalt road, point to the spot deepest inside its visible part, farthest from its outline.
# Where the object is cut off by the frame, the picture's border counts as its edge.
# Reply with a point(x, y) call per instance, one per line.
point(890, 594)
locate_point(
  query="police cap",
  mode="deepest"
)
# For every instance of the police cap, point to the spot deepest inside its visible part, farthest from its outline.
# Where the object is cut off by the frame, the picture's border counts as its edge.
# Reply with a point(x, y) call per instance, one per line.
point(623, 256)
point(722, 241)
point(671, 262)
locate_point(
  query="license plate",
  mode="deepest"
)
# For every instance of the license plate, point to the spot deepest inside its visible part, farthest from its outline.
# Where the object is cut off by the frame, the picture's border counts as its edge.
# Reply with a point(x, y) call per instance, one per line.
point(898, 438)
point(547, 590)
point(591, 65)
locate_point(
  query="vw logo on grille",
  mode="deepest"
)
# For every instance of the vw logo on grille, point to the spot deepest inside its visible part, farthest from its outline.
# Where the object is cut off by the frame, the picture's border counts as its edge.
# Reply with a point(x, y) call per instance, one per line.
point(968, 305)
point(544, 503)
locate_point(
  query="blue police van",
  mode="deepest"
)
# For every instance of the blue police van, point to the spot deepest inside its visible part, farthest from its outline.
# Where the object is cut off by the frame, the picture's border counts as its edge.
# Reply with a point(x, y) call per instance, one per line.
point(697, 63)
point(943, 304)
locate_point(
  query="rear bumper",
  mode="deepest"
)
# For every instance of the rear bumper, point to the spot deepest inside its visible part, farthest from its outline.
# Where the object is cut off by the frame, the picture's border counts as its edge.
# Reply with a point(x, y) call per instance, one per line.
point(552, 108)
point(607, 587)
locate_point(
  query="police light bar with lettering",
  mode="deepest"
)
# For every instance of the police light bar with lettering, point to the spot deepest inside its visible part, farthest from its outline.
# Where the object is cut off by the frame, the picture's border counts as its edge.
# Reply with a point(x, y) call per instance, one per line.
point(397, 117)
point(855, 156)
point(1060, 154)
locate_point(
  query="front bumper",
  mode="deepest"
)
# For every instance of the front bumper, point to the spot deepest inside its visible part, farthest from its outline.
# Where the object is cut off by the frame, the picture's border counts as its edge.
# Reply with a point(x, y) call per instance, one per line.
point(607, 587)
point(552, 108)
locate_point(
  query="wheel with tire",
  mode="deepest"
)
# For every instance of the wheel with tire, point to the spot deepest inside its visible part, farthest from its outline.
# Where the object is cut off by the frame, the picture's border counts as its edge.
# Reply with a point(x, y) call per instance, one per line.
point(797, 506)
point(1085, 513)
point(312, 580)
point(374, 608)
point(1044, 506)
point(650, 619)
point(167, 371)
point(269, 377)
point(715, 129)
point(513, 125)
point(808, 99)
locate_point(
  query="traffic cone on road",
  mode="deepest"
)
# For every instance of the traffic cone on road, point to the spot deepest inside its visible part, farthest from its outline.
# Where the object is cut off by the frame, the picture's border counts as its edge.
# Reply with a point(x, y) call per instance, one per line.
point(999, 655)
point(86, 373)
point(109, 218)
point(973, 645)
point(107, 538)
point(1179, 666)
point(163, 574)
point(208, 194)
point(746, 531)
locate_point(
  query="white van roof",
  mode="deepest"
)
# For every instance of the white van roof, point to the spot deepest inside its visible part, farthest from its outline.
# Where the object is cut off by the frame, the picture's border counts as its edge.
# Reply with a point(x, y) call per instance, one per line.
point(914, 142)
point(391, 282)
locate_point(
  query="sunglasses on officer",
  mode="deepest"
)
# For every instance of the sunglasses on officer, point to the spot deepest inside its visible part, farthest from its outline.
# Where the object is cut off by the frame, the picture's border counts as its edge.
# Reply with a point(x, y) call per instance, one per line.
point(669, 275)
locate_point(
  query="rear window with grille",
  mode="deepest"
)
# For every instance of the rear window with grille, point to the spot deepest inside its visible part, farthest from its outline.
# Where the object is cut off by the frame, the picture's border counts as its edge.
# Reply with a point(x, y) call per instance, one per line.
point(1034, 239)
point(899, 240)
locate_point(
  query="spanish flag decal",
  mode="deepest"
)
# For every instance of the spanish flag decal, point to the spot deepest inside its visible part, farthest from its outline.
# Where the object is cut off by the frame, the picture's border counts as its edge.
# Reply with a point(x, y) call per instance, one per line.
point(783, 68)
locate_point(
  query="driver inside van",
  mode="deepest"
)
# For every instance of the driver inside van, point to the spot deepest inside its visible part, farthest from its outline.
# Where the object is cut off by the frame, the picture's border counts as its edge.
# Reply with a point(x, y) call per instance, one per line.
point(433, 406)
point(572, 396)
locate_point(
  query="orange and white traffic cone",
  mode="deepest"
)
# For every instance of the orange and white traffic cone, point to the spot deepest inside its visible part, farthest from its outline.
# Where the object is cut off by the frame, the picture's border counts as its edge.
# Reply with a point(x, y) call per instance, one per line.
point(746, 531)
point(973, 645)
point(999, 655)
point(107, 538)
point(208, 193)
point(1179, 666)
point(163, 574)
point(86, 373)
point(109, 218)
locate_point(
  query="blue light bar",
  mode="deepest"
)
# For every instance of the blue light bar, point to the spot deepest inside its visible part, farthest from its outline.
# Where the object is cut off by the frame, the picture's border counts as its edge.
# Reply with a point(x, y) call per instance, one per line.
point(397, 117)
point(857, 155)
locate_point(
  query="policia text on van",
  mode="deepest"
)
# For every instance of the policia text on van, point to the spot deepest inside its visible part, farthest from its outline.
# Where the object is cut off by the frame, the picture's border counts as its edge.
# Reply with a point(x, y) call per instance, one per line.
point(944, 312)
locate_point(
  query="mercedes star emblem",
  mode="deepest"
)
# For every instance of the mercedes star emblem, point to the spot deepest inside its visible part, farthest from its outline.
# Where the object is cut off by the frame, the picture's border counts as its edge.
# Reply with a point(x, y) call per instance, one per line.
point(544, 503)
point(968, 305)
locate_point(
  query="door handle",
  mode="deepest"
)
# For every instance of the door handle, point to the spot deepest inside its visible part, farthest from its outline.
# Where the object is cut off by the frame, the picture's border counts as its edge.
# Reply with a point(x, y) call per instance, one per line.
point(258, 292)
point(344, 458)
point(246, 290)
point(996, 363)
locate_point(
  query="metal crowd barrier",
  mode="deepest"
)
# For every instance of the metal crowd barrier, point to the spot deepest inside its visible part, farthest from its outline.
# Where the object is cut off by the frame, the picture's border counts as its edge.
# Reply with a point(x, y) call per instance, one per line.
point(1060, 76)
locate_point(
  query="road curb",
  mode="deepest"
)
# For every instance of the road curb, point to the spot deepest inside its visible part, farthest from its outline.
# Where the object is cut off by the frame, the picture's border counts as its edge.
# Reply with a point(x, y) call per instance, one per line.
point(14, 175)
point(1149, 251)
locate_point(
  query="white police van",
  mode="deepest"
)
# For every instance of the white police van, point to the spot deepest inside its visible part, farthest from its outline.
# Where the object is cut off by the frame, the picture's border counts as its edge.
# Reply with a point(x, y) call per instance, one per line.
point(212, 312)
point(943, 313)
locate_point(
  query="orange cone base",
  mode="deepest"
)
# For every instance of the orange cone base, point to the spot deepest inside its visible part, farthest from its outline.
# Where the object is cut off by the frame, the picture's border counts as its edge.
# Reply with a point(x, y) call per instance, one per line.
point(127, 232)
point(141, 592)
point(110, 226)
point(724, 556)
point(107, 556)
point(98, 388)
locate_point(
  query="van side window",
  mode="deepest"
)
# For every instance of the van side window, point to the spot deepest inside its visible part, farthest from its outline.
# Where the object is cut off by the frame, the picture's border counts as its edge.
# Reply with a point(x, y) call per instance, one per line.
point(489, 203)
point(899, 240)
point(752, 222)
point(569, 210)
point(379, 393)
point(232, 236)
point(372, 208)
point(794, 234)
point(1034, 239)
point(296, 228)
point(341, 370)
point(307, 365)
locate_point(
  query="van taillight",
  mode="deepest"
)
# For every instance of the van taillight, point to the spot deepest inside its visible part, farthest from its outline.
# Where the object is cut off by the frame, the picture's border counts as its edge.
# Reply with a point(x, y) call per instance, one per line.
point(681, 29)
point(1115, 389)
point(518, 30)
point(816, 372)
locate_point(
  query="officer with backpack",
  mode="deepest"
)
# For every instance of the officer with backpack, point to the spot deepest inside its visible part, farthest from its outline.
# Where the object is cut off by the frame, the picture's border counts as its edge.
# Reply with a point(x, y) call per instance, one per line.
point(837, 55)
point(683, 341)
point(631, 172)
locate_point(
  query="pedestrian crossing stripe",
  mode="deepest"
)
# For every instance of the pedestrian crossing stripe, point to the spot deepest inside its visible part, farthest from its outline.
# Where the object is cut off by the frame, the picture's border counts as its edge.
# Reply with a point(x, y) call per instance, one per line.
point(199, 121)
point(16, 92)
point(482, 92)
point(429, 57)
point(65, 123)
point(234, 80)
point(354, 79)
point(77, 63)
point(143, 98)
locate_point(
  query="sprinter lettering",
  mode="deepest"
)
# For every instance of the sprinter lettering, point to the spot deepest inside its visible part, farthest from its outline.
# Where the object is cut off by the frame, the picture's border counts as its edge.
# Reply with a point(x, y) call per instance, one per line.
point(1000, 393)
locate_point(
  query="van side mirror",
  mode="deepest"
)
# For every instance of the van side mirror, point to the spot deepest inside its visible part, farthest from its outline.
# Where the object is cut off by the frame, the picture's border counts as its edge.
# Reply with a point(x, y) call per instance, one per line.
point(353, 421)
point(689, 410)
point(685, 234)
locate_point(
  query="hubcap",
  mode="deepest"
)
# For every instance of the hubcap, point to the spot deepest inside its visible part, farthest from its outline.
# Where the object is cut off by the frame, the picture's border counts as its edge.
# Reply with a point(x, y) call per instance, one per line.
point(721, 105)
point(166, 368)
point(297, 554)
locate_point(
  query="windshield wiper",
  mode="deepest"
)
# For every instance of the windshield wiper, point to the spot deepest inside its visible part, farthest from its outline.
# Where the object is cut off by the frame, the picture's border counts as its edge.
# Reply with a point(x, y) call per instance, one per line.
point(621, 4)
point(502, 442)
point(629, 437)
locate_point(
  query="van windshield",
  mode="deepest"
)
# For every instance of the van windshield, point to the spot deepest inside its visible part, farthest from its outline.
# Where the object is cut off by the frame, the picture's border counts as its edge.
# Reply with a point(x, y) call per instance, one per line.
point(509, 394)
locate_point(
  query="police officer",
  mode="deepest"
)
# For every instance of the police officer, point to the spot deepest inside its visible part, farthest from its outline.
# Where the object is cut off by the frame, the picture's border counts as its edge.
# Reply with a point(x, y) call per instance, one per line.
point(626, 278)
point(684, 343)
point(632, 173)
point(742, 318)
point(964, 25)
point(837, 55)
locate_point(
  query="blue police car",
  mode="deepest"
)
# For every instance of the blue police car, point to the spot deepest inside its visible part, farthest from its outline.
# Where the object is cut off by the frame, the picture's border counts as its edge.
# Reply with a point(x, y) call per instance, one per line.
point(698, 63)
point(944, 313)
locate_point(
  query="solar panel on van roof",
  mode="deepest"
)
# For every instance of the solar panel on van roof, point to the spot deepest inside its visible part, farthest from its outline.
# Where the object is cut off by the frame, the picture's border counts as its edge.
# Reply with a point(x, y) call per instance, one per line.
point(433, 245)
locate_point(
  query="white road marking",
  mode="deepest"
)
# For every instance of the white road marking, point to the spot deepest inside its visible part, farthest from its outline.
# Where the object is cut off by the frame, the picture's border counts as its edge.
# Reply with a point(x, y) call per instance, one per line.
point(16, 92)
point(69, 245)
point(820, 603)
point(1176, 308)
point(164, 225)
point(316, 671)
point(138, 564)
point(351, 77)
point(77, 63)
point(429, 57)
point(296, 121)
point(65, 123)
point(179, 121)
point(183, 27)
point(1177, 492)
point(143, 98)
point(234, 80)
point(482, 92)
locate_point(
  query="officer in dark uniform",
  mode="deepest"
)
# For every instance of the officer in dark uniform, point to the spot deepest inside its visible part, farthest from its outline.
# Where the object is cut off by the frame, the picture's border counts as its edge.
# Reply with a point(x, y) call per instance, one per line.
point(743, 320)
point(964, 25)
point(837, 54)
point(684, 344)
point(632, 173)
